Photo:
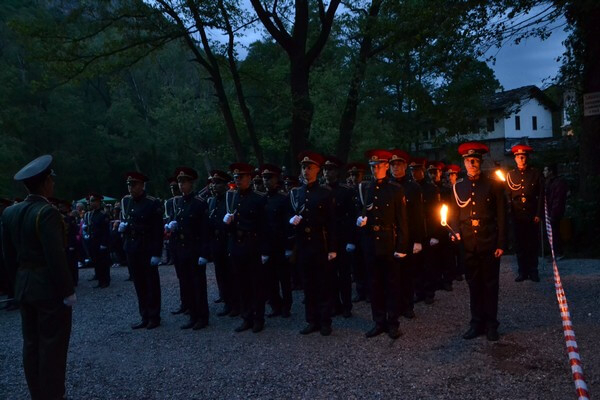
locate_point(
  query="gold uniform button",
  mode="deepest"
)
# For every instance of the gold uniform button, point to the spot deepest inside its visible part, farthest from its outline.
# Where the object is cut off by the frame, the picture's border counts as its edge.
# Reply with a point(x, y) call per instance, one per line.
point(475, 231)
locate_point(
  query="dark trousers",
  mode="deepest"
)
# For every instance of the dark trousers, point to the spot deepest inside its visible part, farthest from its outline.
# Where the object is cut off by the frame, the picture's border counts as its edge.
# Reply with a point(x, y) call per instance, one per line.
point(279, 280)
point(250, 276)
point(420, 276)
point(225, 279)
point(527, 235)
point(358, 272)
point(482, 274)
point(192, 283)
point(317, 279)
point(101, 262)
point(46, 329)
point(147, 285)
point(342, 281)
point(432, 269)
point(406, 268)
point(556, 239)
point(72, 258)
point(384, 277)
point(179, 272)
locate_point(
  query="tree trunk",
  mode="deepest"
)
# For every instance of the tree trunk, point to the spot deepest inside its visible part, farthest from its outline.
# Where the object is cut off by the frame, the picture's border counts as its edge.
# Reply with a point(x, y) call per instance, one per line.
point(348, 120)
point(302, 108)
point(238, 88)
point(589, 141)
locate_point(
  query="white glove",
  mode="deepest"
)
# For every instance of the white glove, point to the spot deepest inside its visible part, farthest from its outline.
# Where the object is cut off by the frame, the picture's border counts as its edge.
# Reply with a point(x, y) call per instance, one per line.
point(154, 261)
point(433, 241)
point(70, 301)
point(361, 221)
point(417, 248)
point(295, 220)
point(166, 227)
point(288, 253)
point(399, 255)
point(86, 236)
point(228, 218)
point(172, 225)
point(84, 226)
point(331, 255)
point(264, 259)
point(350, 247)
point(202, 261)
point(122, 227)
point(103, 247)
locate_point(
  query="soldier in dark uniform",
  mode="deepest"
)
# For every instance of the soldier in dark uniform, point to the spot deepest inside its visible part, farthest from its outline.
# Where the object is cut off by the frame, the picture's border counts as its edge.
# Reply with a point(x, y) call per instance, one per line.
point(455, 257)
point(219, 242)
point(169, 217)
point(525, 193)
point(384, 236)
point(72, 230)
point(142, 228)
point(427, 282)
point(33, 237)
point(190, 235)
point(356, 173)
point(345, 213)
point(312, 213)
point(96, 234)
point(416, 229)
point(478, 217)
point(443, 271)
point(278, 269)
point(290, 182)
point(245, 220)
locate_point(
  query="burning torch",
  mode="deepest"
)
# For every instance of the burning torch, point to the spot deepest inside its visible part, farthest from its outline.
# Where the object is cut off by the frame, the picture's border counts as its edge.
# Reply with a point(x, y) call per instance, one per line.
point(500, 175)
point(444, 221)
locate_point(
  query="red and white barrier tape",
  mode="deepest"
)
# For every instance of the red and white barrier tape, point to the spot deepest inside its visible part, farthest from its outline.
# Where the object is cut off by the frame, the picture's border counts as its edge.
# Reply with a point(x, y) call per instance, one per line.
point(569, 332)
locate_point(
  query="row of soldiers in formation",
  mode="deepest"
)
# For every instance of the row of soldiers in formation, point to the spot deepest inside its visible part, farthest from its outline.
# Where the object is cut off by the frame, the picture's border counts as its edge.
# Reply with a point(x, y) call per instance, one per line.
point(388, 227)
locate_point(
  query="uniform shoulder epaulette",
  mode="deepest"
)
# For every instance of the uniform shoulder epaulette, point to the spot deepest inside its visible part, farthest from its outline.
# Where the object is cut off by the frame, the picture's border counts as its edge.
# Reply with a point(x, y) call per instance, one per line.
point(151, 198)
point(397, 184)
point(263, 194)
point(127, 196)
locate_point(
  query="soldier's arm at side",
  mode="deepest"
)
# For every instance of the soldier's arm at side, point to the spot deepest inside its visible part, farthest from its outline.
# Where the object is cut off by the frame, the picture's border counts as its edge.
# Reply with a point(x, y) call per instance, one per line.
point(332, 234)
point(419, 229)
point(400, 222)
point(501, 206)
point(52, 236)
point(8, 251)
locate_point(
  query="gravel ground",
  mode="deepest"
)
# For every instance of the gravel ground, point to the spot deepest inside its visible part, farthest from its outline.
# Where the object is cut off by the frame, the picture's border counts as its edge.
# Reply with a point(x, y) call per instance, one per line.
point(107, 360)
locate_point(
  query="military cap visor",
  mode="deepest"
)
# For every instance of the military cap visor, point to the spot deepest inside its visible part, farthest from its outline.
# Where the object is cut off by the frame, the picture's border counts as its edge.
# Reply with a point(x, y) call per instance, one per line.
point(135, 176)
point(310, 157)
point(378, 156)
point(238, 169)
point(399, 156)
point(473, 149)
point(219, 176)
point(521, 149)
point(182, 173)
point(40, 167)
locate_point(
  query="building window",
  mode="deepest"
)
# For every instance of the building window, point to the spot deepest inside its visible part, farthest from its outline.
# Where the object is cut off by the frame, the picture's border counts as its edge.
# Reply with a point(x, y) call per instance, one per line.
point(534, 123)
point(517, 123)
point(490, 124)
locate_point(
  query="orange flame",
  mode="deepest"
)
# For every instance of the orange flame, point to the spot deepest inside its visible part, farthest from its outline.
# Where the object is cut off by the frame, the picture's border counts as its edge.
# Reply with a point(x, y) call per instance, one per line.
point(444, 215)
point(500, 175)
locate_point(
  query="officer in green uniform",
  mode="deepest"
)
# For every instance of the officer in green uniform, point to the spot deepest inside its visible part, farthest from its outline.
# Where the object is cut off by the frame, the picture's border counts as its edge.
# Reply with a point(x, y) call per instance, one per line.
point(33, 236)
point(142, 228)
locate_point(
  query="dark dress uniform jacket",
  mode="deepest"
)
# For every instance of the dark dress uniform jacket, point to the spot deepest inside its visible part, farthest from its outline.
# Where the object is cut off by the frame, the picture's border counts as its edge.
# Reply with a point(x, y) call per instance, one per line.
point(249, 219)
point(190, 236)
point(479, 214)
point(414, 209)
point(277, 222)
point(385, 209)
point(217, 229)
point(431, 206)
point(98, 229)
point(525, 193)
point(34, 250)
point(345, 213)
point(315, 204)
point(144, 231)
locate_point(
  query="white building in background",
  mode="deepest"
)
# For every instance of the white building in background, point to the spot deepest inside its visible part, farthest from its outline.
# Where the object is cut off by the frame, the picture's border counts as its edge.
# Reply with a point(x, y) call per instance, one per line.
point(515, 116)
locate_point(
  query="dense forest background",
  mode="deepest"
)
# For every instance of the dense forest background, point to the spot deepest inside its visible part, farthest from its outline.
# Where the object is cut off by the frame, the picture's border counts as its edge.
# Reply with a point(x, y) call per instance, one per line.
point(111, 86)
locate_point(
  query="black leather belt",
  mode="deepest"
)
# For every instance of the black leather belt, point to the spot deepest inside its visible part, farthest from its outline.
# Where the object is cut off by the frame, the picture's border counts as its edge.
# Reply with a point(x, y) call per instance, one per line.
point(377, 228)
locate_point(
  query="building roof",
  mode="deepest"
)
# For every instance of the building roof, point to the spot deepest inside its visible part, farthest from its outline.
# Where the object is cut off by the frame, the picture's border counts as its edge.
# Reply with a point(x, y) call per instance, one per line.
point(509, 98)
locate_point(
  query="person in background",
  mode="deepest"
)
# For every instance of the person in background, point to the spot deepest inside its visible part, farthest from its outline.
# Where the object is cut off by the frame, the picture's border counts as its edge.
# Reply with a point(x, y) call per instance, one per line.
point(556, 200)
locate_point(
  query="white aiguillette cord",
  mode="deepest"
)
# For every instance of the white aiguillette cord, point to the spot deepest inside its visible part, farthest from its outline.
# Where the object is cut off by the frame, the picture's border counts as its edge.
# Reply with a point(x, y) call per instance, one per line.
point(459, 202)
point(511, 184)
